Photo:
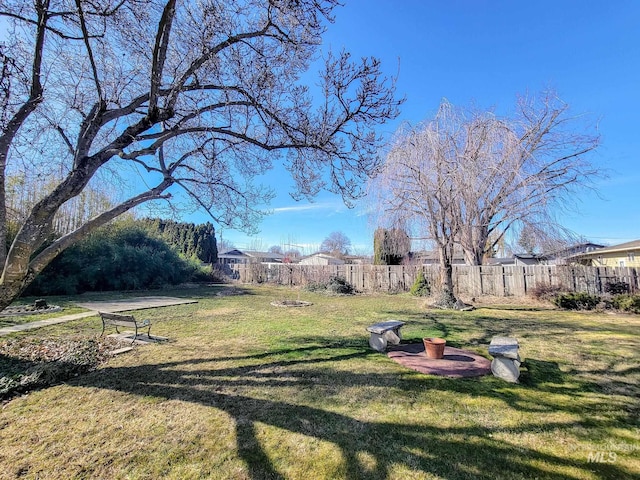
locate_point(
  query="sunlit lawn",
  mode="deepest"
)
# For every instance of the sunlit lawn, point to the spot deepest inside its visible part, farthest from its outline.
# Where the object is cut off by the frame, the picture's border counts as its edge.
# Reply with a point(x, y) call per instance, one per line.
point(245, 390)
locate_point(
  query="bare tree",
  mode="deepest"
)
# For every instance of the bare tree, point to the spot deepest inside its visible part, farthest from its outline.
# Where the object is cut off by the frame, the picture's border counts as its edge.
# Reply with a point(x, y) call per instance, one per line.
point(202, 96)
point(416, 188)
point(519, 172)
point(224, 246)
point(467, 177)
point(337, 243)
point(275, 249)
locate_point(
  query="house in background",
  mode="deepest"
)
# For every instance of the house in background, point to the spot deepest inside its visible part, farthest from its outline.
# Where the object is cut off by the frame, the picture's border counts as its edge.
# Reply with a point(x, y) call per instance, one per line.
point(560, 257)
point(264, 257)
point(358, 260)
point(236, 256)
point(519, 259)
point(432, 257)
point(321, 259)
point(622, 255)
point(232, 257)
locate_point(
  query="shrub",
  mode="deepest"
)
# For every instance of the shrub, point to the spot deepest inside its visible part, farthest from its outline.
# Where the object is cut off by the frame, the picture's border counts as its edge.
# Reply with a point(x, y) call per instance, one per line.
point(616, 288)
point(115, 257)
point(334, 286)
point(339, 286)
point(420, 287)
point(627, 303)
point(209, 273)
point(576, 301)
point(545, 291)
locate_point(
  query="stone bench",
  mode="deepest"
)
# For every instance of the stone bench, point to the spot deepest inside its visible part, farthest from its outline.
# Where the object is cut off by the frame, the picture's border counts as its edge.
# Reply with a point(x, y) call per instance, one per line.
point(384, 333)
point(506, 358)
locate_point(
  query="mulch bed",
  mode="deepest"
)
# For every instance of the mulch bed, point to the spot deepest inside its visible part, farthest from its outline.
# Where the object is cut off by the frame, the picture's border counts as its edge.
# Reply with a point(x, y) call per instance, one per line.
point(456, 363)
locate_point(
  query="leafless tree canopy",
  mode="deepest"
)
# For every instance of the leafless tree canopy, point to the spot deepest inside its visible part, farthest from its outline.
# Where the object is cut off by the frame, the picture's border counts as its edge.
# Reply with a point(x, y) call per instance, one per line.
point(467, 177)
point(337, 243)
point(202, 95)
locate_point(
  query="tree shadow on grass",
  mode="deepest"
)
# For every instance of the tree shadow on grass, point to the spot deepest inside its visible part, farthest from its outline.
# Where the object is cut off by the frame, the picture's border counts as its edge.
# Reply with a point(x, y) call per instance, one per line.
point(453, 452)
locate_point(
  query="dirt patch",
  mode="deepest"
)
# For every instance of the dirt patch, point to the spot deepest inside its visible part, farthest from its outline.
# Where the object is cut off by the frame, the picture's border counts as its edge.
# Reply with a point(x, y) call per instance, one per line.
point(290, 303)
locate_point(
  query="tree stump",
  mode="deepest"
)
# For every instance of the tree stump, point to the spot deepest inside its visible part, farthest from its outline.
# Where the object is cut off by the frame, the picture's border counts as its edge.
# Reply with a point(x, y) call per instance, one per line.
point(40, 304)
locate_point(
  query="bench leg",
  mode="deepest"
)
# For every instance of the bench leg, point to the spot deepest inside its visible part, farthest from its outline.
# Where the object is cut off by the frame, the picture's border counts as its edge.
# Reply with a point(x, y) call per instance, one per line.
point(135, 335)
point(506, 369)
point(378, 342)
point(393, 337)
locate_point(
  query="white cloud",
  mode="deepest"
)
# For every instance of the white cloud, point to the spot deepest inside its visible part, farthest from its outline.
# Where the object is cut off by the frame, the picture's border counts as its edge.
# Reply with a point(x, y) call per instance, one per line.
point(297, 208)
point(334, 206)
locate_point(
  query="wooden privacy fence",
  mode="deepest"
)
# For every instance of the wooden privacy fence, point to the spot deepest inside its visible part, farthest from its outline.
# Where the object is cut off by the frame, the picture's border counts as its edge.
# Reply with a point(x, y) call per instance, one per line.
point(499, 281)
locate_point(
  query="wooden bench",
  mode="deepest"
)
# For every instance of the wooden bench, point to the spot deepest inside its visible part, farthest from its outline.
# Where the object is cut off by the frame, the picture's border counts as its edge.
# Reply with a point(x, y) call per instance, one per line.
point(506, 358)
point(118, 320)
point(384, 333)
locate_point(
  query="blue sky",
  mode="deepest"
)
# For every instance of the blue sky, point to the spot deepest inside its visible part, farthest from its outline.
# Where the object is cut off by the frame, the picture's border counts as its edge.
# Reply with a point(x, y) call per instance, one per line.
point(487, 52)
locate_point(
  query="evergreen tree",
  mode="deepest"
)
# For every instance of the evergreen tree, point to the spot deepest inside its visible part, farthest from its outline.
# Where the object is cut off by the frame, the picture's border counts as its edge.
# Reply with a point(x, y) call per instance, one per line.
point(190, 240)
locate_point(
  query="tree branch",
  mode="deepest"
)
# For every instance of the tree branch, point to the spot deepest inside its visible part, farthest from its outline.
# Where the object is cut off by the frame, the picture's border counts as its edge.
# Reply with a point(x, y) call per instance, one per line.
point(44, 258)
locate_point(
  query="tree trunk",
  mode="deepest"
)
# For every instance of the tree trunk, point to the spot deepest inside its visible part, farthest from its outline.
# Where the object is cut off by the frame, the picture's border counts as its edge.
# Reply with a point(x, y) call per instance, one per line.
point(446, 298)
point(20, 269)
point(9, 291)
point(473, 256)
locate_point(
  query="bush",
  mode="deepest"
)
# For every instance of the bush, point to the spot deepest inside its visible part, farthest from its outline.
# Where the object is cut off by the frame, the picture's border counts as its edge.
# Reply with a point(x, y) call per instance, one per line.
point(626, 303)
point(115, 257)
point(576, 301)
point(339, 286)
point(616, 288)
point(544, 291)
point(420, 287)
point(209, 273)
point(335, 286)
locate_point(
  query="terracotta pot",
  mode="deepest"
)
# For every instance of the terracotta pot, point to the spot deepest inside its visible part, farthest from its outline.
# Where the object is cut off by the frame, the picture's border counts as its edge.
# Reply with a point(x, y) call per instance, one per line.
point(434, 347)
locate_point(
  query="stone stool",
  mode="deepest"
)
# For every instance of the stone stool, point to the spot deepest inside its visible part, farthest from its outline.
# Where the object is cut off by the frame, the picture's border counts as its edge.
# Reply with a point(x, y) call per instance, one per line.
point(506, 359)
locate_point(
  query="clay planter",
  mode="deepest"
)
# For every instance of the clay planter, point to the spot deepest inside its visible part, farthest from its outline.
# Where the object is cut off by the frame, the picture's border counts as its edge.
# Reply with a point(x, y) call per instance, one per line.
point(434, 347)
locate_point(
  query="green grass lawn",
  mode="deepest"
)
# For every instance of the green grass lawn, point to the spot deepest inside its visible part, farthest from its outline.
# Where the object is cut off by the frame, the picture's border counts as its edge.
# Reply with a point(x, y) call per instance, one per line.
point(245, 390)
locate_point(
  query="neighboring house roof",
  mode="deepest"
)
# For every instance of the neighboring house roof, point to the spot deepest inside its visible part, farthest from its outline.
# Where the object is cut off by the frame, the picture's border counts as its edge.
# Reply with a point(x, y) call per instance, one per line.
point(434, 257)
point(265, 255)
point(621, 248)
point(574, 250)
point(358, 259)
point(501, 261)
point(321, 256)
point(518, 259)
point(260, 256)
point(231, 253)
